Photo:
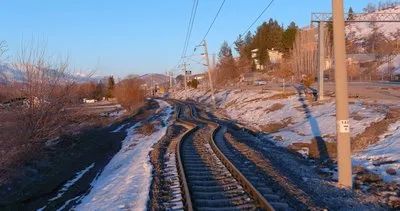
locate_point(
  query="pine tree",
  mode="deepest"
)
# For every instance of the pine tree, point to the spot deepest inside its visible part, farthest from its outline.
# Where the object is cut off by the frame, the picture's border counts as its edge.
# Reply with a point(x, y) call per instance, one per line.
point(110, 87)
point(226, 68)
point(289, 36)
point(239, 45)
point(351, 14)
point(225, 51)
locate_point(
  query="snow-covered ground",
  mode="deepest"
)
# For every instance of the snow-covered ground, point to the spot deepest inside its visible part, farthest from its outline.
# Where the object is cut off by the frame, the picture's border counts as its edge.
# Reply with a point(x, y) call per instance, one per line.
point(254, 109)
point(383, 155)
point(125, 181)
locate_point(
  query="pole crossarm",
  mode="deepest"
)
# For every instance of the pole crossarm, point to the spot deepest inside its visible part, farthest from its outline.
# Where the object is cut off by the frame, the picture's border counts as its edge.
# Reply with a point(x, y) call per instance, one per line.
point(358, 17)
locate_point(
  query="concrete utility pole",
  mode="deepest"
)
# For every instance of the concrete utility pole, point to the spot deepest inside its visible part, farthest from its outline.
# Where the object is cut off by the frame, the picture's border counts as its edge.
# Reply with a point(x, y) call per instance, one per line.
point(209, 71)
point(184, 70)
point(321, 63)
point(213, 59)
point(342, 105)
point(170, 79)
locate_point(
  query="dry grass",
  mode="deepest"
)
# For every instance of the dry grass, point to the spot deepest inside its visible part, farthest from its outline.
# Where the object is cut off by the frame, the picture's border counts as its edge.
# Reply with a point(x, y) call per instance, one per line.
point(281, 96)
point(274, 107)
point(146, 129)
point(313, 148)
point(276, 126)
point(360, 142)
point(372, 132)
point(16, 147)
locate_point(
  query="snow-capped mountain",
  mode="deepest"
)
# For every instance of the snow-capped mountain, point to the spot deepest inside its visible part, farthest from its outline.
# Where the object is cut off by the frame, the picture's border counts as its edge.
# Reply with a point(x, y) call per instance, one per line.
point(10, 73)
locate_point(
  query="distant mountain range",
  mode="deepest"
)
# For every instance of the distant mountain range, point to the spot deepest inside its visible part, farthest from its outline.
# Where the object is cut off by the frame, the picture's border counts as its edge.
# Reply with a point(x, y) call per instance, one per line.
point(9, 73)
point(154, 79)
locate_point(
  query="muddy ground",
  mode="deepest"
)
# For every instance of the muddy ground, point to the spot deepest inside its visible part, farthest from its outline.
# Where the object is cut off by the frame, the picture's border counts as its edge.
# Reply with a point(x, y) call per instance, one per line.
point(39, 177)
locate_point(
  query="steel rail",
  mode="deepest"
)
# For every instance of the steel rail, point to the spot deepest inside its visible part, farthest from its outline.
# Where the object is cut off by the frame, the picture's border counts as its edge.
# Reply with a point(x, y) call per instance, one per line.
point(261, 201)
point(187, 201)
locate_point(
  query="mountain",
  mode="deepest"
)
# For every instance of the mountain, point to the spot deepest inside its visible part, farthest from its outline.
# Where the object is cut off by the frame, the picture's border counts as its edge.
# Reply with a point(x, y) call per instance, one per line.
point(9, 73)
point(154, 79)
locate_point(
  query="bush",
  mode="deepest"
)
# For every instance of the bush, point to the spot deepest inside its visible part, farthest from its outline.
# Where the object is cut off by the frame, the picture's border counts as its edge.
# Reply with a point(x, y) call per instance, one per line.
point(129, 93)
point(194, 83)
point(146, 129)
point(308, 80)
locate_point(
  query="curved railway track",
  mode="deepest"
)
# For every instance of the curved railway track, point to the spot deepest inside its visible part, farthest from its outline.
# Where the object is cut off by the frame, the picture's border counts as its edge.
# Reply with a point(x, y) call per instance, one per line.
point(209, 180)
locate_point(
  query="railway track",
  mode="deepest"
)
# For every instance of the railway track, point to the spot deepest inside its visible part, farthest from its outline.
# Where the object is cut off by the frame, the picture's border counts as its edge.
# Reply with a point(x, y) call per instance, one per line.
point(209, 180)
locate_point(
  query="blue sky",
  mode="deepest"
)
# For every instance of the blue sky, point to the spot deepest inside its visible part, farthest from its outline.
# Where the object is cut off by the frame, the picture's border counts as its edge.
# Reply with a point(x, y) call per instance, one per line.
point(124, 37)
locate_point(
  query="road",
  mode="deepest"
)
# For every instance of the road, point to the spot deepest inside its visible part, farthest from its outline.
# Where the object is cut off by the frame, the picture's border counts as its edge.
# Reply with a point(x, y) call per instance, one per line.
point(386, 91)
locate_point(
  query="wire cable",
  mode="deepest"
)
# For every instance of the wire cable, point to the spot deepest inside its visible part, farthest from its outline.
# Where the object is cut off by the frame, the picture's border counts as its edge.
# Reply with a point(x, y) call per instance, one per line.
point(259, 16)
point(190, 27)
point(265, 9)
point(212, 23)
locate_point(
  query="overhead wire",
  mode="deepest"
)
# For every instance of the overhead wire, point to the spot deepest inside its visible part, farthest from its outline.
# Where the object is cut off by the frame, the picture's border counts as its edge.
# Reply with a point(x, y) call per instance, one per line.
point(212, 23)
point(265, 9)
point(255, 21)
point(190, 27)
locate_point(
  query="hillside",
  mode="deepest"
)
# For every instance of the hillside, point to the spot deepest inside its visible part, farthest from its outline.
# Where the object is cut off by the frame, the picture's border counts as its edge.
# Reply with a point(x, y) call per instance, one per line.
point(154, 78)
point(362, 30)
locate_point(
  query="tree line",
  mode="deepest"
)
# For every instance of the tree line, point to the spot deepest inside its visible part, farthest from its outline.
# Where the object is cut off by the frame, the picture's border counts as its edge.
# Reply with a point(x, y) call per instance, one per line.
point(269, 35)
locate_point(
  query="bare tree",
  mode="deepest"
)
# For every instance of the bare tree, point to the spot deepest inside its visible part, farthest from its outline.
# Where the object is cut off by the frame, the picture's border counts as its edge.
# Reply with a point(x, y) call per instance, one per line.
point(285, 71)
point(129, 93)
point(353, 71)
point(227, 69)
point(3, 49)
point(46, 90)
point(304, 53)
point(387, 52)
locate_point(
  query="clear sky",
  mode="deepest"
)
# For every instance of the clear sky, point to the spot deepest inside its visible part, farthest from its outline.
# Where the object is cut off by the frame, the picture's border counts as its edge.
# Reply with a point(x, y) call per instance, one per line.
point(121, 37)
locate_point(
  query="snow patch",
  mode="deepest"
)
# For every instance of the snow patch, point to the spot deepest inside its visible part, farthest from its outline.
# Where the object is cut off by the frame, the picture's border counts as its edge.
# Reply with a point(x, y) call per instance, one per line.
point(252, 108)
point(383, 155)
point(125, 181)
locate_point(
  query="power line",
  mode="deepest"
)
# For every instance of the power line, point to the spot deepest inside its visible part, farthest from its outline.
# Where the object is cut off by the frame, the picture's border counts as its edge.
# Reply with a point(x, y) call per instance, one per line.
point(265, 9)
point(212, 23)
point(190, 27)
point(259, 16)
point(187, 31)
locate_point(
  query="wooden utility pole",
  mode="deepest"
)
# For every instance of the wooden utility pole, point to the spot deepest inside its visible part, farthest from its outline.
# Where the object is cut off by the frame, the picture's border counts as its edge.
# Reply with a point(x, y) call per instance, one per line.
point(209, 72)
point(341, 92)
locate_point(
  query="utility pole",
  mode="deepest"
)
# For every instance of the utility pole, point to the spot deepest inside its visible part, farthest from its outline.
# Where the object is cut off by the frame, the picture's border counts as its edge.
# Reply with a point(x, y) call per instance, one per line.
point(213, 58)
point(170, 79)
point(341, 92)
point(209, 71)
point(321, 63)
point(184, 70)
